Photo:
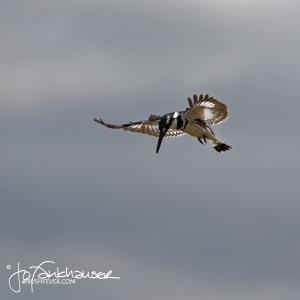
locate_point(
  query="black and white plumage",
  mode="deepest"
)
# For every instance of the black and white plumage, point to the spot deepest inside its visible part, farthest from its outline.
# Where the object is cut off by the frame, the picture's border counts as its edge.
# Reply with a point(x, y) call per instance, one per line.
point(202, 112)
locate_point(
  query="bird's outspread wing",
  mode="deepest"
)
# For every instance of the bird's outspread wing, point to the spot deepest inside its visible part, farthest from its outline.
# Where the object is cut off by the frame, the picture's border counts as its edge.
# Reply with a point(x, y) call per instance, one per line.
point(149, 126)
point(206, 108)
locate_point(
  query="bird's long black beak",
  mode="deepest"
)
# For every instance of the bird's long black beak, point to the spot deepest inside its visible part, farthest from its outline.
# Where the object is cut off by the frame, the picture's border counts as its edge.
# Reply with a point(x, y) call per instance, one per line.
point(160, 138)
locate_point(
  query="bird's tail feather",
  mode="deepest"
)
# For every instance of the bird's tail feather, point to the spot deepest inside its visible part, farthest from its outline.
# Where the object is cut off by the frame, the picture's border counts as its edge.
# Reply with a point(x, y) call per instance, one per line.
point(220, 147)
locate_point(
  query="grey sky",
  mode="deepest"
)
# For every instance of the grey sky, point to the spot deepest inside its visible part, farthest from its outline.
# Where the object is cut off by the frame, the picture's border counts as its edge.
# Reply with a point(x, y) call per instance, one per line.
point(187, 223)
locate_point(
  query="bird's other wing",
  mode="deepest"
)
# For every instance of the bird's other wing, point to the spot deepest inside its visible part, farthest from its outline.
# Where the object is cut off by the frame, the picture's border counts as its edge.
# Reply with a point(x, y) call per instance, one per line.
point(149, 126)
point(206, 108)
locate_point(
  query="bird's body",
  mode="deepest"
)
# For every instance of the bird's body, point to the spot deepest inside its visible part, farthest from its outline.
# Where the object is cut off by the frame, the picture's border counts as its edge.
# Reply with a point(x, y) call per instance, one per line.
point(195, 121)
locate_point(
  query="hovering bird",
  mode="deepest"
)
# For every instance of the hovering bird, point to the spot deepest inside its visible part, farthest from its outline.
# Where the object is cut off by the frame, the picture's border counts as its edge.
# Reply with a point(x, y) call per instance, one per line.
point(202, 112)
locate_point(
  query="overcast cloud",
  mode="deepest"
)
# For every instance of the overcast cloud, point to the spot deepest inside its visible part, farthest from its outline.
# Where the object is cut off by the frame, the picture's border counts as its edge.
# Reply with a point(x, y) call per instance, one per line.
point(187, 223)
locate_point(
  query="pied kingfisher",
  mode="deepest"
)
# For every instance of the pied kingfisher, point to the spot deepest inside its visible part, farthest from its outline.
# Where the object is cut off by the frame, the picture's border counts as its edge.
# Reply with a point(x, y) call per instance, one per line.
point(195, 120)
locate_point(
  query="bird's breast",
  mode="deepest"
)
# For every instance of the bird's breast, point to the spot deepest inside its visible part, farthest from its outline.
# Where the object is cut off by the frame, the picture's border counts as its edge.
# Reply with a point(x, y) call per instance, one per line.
point(195, 130)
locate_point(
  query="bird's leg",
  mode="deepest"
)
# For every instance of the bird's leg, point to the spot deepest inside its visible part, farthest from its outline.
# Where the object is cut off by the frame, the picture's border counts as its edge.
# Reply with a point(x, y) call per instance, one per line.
point(200, 140)
point(204, 138)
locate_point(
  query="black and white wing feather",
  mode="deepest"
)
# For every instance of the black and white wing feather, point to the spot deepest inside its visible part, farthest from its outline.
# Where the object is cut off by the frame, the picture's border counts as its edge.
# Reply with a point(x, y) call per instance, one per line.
point(149, 127)
point(206, 108)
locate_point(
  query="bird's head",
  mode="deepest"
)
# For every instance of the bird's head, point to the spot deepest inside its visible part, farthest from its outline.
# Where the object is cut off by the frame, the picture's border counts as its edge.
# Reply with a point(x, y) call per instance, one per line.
point(164, 125)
